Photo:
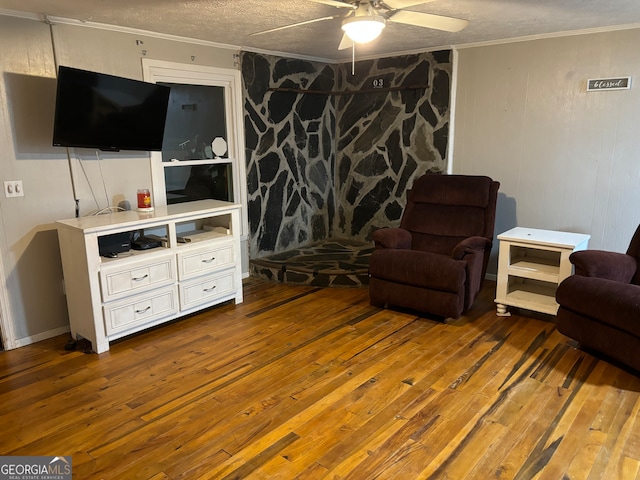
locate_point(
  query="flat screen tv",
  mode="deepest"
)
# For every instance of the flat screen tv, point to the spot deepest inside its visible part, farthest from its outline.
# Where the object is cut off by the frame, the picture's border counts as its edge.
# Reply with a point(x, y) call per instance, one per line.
point(96, 110)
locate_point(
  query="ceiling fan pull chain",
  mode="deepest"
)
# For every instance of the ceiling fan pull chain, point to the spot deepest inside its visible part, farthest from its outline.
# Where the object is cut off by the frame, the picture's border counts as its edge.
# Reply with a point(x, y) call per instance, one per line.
point(353, 58)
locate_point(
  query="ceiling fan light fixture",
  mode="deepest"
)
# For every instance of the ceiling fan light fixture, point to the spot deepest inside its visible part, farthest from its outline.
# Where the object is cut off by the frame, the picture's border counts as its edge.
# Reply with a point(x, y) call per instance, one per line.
point(363, 29)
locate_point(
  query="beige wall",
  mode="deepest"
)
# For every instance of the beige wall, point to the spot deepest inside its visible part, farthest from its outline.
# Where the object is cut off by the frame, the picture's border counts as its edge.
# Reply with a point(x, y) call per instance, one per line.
point(34, 303)
point(567, 159)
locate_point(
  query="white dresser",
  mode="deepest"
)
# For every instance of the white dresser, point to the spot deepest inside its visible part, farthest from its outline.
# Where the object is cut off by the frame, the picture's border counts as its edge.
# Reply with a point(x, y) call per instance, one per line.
point(197, 266)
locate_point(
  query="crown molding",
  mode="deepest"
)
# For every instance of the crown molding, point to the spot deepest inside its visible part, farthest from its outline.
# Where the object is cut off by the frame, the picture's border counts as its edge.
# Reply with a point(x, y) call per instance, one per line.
point(135, 31)
point(546, 36)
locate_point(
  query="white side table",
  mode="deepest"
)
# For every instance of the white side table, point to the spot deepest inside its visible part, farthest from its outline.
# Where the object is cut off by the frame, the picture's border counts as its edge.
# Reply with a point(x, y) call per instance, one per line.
point(531, 265)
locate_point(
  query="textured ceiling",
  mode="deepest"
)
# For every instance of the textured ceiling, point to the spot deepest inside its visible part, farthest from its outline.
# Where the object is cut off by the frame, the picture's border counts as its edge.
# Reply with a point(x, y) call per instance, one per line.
point(231, 22)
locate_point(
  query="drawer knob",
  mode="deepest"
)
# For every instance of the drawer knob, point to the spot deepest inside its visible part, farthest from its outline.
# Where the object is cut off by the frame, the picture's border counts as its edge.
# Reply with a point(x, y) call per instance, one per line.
point(209, 261)
point(137, 279)
point(209, 289)
point(144, 310)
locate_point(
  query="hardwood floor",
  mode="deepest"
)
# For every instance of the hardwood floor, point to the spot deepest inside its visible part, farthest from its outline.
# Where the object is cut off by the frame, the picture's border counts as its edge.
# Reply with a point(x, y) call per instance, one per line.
point(311, 383)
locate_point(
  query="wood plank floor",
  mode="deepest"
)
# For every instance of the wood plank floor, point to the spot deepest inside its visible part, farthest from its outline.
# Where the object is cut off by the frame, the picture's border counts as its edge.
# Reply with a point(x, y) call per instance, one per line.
point(311, 383)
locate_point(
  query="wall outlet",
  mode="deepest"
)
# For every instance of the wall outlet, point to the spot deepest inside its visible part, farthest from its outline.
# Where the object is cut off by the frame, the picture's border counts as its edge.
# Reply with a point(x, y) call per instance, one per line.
point(13, 188)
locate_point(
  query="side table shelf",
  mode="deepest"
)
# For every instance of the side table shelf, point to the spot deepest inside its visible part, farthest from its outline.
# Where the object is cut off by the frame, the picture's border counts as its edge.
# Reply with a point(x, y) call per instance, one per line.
point(531, 265)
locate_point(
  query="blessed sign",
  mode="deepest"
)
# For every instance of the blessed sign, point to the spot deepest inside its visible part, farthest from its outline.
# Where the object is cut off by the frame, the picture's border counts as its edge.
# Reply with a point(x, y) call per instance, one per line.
point(619, 83)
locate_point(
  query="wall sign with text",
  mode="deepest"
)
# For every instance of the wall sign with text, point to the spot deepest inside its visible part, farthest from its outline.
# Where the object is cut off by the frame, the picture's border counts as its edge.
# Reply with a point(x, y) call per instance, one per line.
point(618, 83)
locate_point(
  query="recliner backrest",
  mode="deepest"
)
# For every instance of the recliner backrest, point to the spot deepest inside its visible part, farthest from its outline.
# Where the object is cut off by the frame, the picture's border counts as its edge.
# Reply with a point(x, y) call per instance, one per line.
point(634, 251)
point(442, 210)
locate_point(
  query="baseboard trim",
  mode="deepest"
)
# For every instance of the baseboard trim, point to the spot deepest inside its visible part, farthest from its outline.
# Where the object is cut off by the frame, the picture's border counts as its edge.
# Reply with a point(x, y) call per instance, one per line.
point(21, 342)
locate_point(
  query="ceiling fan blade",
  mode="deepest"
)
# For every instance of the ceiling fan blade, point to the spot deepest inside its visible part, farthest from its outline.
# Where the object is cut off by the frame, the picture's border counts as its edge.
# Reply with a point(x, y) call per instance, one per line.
point(345, 43)
point(427, 20)
point(336, 3)
point(398, 4)
point(307, 22)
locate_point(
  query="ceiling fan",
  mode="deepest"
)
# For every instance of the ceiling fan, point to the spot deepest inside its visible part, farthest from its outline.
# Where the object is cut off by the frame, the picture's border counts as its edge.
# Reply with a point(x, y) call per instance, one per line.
point(367, 19)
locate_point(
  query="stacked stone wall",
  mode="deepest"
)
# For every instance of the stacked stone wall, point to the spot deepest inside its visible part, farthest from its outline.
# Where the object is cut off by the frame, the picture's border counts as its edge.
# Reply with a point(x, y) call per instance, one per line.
point(385, 140)
point(339, 164)
point(289, 151)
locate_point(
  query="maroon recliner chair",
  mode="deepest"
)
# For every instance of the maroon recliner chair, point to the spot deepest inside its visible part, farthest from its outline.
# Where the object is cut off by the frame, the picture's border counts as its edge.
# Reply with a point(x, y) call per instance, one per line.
point(436, 261)
point(599, 306)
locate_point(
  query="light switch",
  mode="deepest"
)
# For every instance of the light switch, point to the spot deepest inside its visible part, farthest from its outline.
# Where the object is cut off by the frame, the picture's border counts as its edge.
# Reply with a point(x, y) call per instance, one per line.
point(13, 188)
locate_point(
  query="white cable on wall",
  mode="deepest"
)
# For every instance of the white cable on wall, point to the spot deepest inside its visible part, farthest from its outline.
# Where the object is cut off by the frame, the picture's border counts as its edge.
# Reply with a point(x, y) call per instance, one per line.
point(55, 64)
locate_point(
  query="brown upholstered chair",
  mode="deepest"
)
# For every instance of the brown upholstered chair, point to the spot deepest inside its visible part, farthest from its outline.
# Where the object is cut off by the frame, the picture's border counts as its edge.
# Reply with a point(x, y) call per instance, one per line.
point(600, 304)
point(435, 262)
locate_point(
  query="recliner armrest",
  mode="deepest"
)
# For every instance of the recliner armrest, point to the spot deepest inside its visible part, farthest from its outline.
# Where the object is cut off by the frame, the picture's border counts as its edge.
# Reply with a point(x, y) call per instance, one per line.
point(470, 245)
point(392, 238)
point(602, 264)
point(607, 301)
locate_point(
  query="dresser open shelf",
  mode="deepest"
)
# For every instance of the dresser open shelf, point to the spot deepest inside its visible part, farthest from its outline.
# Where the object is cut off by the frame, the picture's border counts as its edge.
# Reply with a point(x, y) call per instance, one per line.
point(109, 298)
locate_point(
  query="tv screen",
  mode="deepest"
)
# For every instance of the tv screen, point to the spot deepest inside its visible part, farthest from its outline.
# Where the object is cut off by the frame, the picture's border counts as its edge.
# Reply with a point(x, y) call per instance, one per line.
point(95, 110)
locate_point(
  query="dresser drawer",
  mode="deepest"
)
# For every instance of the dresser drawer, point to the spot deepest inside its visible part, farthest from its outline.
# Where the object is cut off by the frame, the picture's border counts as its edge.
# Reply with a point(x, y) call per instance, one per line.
point(132, 278)
point(141, 309)
point(207, 289)
point(193, 263)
